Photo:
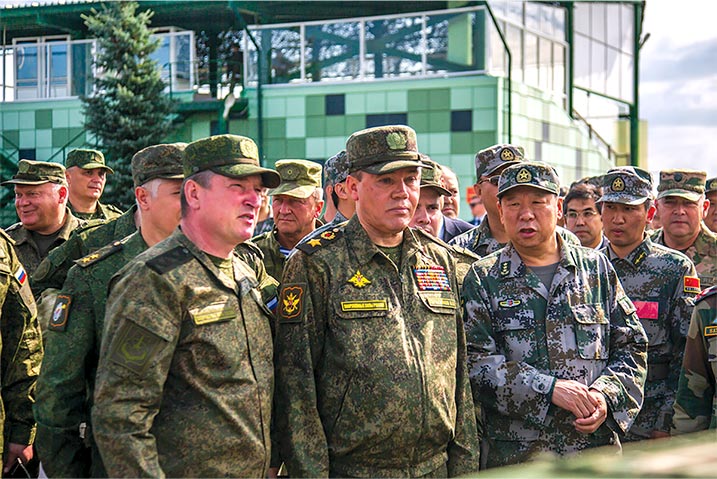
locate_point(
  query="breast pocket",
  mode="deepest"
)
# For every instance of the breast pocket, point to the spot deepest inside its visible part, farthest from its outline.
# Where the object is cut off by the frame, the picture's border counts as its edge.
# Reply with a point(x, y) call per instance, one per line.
point(515, 334)
point(591, 331)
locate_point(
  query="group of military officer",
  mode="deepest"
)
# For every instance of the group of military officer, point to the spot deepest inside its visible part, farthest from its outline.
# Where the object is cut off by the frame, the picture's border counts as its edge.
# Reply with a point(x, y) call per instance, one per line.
point(385, 338)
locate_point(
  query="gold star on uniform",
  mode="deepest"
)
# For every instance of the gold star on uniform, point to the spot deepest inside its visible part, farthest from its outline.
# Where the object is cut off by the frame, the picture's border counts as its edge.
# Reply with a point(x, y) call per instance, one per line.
point(315, 242)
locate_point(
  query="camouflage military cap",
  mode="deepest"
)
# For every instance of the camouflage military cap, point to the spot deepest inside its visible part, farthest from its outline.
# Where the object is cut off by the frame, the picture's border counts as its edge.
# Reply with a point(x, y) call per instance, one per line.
point(688, 184)
point(626, 185)
point(535, 174)
point(336, 169)
point(228, 155)
point(711, 185)
point(31, 172)
point(158, 161)
point(383, 149)
point(497, 156)
point(433, 177)
point(299, 178)
point(87, 160)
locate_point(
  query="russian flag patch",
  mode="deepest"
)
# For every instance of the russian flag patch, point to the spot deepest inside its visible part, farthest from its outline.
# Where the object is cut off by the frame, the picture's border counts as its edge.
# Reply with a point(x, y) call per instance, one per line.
point(21, 275)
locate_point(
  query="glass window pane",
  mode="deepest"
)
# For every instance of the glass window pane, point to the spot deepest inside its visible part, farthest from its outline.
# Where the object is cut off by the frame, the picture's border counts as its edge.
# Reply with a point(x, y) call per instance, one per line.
point(597, 66)
point(393, 47)
point(613, 25)
point(496, 50)
point(613, 73)
point(332, 51)
point(532, 16)
point(626, 72)
point(582, 61)
point(546, 60)
point(558, 68)
point(26, 67)
point(582, 18)
point(515, 42)
point(530, 61)
point(559, 22)
point(58, 63)
point(597, 15)
point(514, 12)
point(627, 18)
point(454, 43)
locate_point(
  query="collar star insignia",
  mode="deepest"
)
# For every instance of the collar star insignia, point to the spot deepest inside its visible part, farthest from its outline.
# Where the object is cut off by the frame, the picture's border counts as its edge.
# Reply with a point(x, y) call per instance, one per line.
point(359, 280)
point(315, 242)
point(523, 176)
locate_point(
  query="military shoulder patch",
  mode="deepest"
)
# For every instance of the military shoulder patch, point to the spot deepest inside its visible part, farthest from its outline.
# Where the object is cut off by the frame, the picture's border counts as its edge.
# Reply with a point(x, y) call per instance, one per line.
point(60, 313)
point(134, 347)
point(706, 293)
point(291, 303)
point(322, 239)
point(169, 260)
point(692, 284)
point(100, 254)
point(710, 331)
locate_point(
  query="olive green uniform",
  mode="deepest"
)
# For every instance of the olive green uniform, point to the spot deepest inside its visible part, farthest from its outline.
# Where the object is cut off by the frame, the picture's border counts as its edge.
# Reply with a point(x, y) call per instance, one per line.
point(703, 253)
point(102, 212)
point(190, 347)
point(67, 380)
point(371, 360)
point(21, 353)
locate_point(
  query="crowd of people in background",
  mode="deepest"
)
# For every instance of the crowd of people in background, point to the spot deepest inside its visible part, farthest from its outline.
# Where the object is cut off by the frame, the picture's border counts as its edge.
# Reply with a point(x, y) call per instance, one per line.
point(342, 320)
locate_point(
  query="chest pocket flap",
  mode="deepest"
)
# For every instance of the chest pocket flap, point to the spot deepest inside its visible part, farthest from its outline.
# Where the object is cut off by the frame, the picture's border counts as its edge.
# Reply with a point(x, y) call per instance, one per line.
point(591, 331)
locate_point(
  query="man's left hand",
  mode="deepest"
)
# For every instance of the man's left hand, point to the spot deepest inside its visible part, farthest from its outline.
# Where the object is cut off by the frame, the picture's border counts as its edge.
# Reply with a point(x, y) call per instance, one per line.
point(591, 423)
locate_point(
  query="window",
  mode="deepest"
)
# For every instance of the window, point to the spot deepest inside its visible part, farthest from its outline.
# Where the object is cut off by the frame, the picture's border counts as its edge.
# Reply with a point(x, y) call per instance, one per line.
point(462, 120)
point(335, 104)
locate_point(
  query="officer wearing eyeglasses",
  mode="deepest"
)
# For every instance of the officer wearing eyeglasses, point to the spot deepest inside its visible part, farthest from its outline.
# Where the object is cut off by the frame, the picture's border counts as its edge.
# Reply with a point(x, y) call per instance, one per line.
point(582, 214)
point(490, 235)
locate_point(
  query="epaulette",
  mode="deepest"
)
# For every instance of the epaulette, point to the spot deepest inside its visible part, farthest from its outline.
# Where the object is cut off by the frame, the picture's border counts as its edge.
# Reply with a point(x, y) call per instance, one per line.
point(323, 239)
point(100, 254)
point(6, 237)
point(461, 251)
point(169, 260)
point(113, 208)
point(706, 293)
point(88, 226)
point(14, 227)
point(250, 248)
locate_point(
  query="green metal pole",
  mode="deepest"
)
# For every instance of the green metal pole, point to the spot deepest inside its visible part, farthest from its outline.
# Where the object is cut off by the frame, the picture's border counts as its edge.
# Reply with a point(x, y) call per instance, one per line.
point(635, 107)
point(570, 39)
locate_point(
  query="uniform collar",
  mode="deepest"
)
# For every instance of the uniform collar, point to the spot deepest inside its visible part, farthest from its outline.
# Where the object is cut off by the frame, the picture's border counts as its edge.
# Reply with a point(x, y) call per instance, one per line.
point(510, 264)
point(71, 222)
point(204, 259)
point(636, 256)
point(363, 249)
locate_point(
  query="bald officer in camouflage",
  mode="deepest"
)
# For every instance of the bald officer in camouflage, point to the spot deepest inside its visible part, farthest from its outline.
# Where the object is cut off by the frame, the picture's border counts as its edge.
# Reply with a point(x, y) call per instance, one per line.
point(20, 358)
point(64, 394)
point(556, 354)
point(682, 205)
point(695, 402)
point(86, 173)
point(711, 194)
point(371, 378)
point(662, 284)
point(187, 338)
point(296, 204)
point(490, 235)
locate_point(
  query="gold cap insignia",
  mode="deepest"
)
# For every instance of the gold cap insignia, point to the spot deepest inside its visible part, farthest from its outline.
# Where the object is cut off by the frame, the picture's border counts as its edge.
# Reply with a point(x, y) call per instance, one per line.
point(618, 184)
point(523, 176)
point(359, 280)
point(249, 148)
point(396, 141)
point(507, 155)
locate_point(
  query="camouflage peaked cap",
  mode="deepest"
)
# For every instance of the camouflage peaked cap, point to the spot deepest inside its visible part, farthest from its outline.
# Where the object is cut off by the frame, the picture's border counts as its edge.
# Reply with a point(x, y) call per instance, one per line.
point(383, 149)
point(497, 156)
point(87, 160)
point(299, 178)
point(688, 184)
point(711, 185)
point(31, 172)
point(433, 177)
point(336, 169)
point(227, 155)
point(626, 185)
point(535, 174)
point(158, 161)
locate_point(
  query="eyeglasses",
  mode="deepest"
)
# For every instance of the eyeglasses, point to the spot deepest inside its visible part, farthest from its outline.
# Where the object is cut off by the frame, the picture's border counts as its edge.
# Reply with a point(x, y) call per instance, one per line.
point(493, 180)
point(586, 215)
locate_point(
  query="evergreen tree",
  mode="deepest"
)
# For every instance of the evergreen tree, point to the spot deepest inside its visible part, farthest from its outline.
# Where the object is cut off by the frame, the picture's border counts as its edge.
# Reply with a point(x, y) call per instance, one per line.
point(127, 110)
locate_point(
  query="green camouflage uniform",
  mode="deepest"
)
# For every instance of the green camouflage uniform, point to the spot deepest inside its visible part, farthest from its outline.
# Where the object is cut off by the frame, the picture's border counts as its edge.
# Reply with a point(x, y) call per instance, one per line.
point(690, 185)
point(102, 212)
point(371, 378)
point(522, 337)
point(27, 249)
point(696, 393)
point(187, 340)
point(21, 352)
point(52, 272)
point(67, 380)
point(274, 260)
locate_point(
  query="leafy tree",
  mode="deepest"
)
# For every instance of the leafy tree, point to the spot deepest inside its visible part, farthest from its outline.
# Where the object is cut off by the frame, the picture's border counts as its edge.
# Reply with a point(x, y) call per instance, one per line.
point(127, 110)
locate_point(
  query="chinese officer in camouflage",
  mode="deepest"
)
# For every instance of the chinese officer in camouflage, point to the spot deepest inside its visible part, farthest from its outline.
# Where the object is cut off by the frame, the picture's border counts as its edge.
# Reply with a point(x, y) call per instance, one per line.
point(662, 284)
point(74, 335)
point(556, 354)
point(339, 204)
point(296, 203)
point(20, 357)
point(697, 390)
point(187, 337)
point(41, 204)
point(370, 352)
point(86, 173)
point(490, 235)
point(711, 194)
point(681, 205)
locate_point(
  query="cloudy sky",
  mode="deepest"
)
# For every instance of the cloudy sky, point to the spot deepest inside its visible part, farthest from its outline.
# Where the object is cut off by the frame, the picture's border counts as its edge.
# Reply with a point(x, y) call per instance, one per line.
point(679, 84)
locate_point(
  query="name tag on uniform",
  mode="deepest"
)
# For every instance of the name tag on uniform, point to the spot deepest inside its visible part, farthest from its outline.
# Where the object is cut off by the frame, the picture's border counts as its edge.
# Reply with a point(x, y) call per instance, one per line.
point(710, 331)
point(370, 305)
point(647, 309)
point(212, 313)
